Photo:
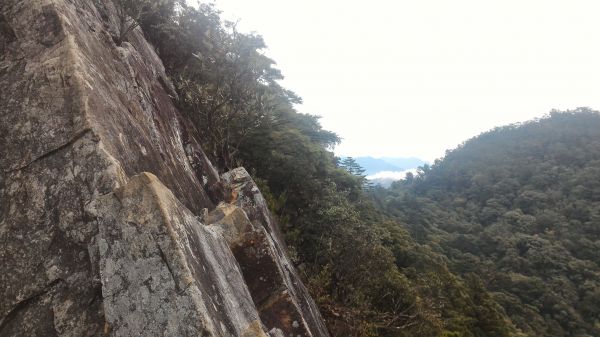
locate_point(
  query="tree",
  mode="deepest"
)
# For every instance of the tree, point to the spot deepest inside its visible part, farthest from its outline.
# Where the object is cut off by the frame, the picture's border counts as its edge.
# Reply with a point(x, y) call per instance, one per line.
point(352, 166)
point(131, 12)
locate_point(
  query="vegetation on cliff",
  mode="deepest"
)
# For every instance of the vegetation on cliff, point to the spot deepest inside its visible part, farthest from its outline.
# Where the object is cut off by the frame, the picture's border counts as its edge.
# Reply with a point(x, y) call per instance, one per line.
point(487, 227)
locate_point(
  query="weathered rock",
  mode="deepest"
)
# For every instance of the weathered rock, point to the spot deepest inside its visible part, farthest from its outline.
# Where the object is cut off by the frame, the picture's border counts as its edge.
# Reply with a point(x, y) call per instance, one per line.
point(70, 132)
point(282, 300)
point(276, 333)
point(165, 273)
point(88, 245)
point(232, 222)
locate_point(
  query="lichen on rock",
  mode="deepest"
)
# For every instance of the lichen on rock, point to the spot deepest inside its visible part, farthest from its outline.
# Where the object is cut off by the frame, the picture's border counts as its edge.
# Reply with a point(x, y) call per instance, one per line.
point(162, 271)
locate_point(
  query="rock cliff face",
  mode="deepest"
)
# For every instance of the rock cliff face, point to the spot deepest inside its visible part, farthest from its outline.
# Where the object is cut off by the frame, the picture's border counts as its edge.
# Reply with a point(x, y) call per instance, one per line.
point(112, 219)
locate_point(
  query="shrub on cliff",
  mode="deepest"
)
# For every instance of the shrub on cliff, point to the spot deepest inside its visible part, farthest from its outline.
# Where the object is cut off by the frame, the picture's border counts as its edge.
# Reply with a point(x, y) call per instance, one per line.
point(131, 13)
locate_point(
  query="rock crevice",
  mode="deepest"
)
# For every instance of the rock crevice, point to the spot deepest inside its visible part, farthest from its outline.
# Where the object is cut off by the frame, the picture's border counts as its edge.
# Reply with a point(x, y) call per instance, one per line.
point(76, 137)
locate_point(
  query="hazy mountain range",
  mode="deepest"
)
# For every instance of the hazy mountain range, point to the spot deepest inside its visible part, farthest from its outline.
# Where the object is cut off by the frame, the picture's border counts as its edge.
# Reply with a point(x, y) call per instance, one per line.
point(385, 170)
point(374, 165)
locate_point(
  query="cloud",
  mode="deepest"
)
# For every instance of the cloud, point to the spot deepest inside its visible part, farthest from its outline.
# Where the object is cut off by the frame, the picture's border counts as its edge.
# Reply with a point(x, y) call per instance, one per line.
point(395, 175)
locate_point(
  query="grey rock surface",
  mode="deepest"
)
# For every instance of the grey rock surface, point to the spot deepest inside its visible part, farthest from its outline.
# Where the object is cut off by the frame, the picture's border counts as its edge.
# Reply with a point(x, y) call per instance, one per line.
point(102, 182)
point(165, 273)
point(282, 300)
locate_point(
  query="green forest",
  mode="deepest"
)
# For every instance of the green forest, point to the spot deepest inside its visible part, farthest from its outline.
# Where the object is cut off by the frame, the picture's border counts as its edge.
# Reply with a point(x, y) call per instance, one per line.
point(499, 238)
point(519, 206)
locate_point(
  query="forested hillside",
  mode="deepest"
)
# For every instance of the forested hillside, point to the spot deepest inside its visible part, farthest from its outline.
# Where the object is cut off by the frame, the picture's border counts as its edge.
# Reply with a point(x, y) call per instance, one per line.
point(501, 237)
point(519, 207)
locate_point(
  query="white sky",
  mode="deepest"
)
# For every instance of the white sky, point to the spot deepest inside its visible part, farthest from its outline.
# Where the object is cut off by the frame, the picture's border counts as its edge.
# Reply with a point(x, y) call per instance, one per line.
point(414, 78)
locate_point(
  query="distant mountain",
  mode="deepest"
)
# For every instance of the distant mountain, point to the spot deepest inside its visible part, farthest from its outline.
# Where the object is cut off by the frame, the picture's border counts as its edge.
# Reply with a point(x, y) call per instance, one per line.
point(404, 163)
point(375, 165)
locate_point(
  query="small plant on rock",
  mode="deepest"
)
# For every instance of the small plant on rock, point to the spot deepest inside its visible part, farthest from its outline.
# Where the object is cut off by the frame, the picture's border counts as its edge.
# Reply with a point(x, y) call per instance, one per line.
point(130, 13)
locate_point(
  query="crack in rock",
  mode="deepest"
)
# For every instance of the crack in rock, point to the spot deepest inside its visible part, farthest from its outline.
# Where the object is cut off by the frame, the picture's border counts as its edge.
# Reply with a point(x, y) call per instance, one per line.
point(77, 137)
point(21, 305)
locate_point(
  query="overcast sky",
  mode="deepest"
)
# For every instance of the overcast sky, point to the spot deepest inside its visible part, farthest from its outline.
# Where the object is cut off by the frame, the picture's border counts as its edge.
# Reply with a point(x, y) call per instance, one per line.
point(414, 78)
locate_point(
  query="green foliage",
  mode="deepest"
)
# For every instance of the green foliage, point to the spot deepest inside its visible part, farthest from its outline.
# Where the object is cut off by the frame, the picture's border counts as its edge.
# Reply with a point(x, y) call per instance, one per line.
point(366, 272)
point(131, 13)
point(222, 77)
point(352, 166)
point(518, 206)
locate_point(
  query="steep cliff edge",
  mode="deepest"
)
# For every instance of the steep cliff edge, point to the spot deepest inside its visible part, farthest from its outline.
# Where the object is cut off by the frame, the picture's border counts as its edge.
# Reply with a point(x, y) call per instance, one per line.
point(103, 188)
